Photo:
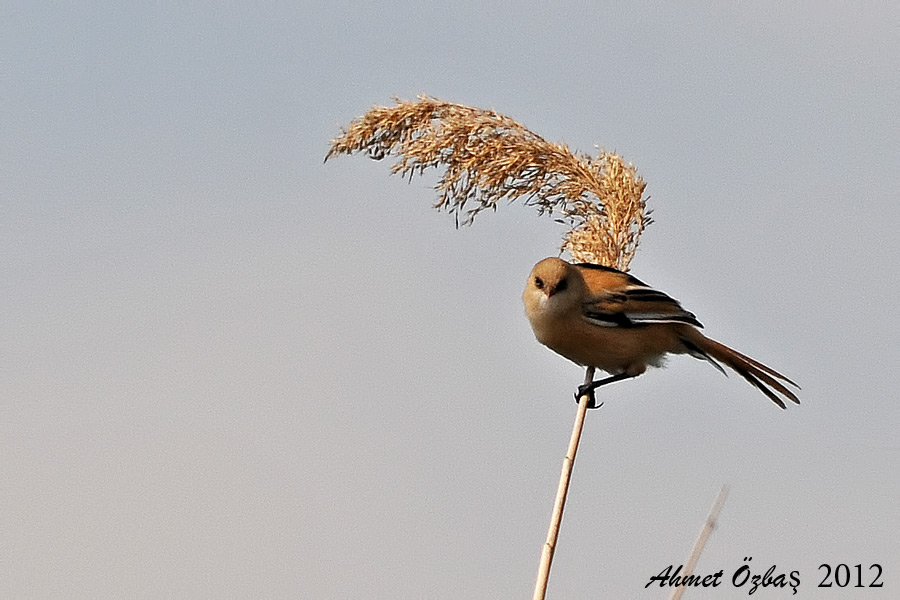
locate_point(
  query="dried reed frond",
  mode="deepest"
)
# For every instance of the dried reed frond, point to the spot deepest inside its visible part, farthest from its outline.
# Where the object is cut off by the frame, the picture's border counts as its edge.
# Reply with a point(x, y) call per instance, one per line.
point(489, 158)
point(608, 233)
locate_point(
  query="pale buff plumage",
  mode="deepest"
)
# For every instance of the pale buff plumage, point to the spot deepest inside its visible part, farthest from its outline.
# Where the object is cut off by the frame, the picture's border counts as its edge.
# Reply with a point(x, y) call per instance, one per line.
point(604, 318)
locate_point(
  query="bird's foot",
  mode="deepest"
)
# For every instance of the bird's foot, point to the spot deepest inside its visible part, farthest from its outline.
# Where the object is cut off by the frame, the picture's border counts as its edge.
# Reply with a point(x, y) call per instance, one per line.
point(587, 389)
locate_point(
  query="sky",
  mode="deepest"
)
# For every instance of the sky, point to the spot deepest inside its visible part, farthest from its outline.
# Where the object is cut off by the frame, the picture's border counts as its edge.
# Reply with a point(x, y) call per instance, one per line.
point(230, 370)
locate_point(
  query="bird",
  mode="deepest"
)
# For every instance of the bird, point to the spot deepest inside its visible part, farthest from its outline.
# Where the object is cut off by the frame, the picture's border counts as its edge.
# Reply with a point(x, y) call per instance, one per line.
point(601, 317)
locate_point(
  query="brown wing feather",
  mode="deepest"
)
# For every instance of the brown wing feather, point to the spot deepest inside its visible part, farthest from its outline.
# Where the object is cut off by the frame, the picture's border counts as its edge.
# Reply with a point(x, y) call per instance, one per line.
point(618, 299)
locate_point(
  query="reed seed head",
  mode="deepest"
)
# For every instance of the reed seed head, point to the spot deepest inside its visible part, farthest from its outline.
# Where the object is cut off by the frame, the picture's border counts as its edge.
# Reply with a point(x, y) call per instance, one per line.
point(489, 158)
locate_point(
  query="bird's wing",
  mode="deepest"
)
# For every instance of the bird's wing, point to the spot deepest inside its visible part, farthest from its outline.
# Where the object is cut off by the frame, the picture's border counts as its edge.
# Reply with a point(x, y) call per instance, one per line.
point(618, 299)
point(634, 306)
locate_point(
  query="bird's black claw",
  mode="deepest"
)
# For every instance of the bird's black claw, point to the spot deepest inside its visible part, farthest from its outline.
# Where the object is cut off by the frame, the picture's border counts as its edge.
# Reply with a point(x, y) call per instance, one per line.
point(587, 389)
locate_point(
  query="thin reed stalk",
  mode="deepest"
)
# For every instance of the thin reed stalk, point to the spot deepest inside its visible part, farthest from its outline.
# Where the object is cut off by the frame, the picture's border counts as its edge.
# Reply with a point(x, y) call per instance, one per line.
point(559, 505)
point(700, 543)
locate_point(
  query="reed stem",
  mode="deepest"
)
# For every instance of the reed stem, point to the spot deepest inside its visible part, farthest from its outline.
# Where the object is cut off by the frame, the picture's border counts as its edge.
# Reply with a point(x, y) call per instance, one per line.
point(540, 588)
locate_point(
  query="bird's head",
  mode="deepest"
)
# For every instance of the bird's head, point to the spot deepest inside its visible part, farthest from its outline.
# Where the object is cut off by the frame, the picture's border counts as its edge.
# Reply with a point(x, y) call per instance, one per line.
point(553, 287)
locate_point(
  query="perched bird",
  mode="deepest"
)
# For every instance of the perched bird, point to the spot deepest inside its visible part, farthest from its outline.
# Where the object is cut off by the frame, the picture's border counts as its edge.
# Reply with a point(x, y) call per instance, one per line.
point(604, 318)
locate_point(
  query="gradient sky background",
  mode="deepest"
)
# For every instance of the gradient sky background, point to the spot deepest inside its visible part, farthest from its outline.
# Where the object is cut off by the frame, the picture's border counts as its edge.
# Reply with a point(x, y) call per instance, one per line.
point(230, 371)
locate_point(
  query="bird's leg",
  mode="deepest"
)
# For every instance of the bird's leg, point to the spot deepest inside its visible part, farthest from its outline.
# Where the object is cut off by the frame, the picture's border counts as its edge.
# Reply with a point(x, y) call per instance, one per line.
point(588, 388)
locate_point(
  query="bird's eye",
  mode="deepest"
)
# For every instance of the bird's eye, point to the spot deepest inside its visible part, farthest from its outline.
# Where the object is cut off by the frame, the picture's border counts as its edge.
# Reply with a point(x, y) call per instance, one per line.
point(539, 283)
point(563, 284)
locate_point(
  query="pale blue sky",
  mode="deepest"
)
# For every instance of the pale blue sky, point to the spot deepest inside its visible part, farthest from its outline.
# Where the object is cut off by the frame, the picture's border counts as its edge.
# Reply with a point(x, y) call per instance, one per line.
point(228, 370)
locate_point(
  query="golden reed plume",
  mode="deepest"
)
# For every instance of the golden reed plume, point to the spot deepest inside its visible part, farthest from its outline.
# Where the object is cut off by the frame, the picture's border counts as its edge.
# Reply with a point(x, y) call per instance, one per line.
point(489, 158)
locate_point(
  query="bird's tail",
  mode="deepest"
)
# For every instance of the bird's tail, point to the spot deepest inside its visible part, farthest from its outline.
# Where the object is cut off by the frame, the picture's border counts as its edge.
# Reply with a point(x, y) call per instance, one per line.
point(759, 375)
